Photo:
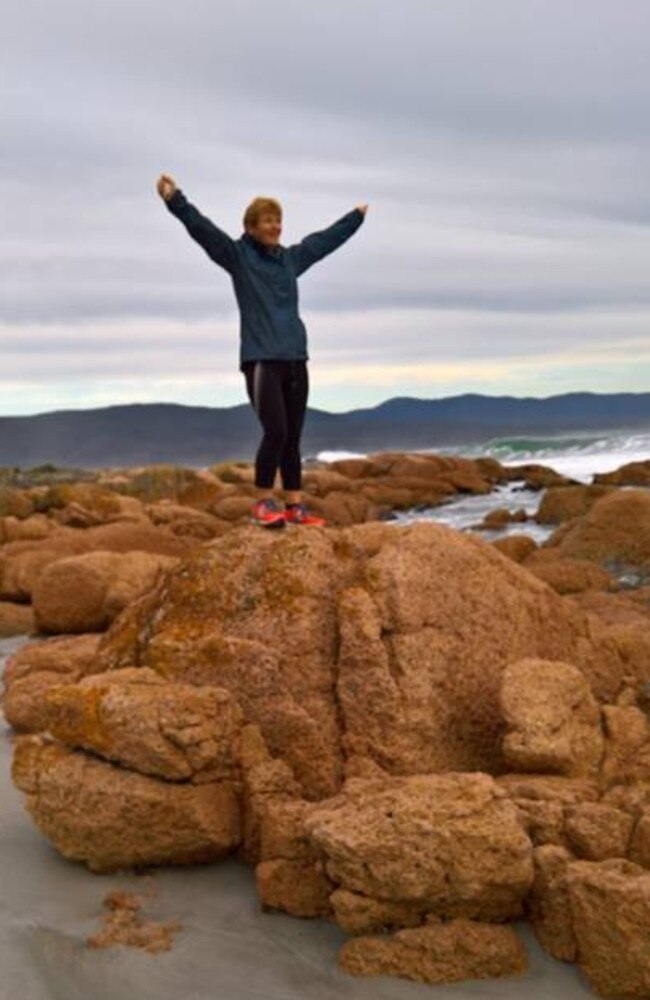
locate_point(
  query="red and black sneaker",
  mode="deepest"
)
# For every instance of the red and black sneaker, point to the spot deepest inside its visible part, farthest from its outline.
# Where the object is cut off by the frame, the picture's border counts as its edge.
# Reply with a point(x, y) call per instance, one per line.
point(297, 513)
point(267, 514)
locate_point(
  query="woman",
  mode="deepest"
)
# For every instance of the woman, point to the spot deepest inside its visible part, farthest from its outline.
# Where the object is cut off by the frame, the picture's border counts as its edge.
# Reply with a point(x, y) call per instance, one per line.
point(273, 345)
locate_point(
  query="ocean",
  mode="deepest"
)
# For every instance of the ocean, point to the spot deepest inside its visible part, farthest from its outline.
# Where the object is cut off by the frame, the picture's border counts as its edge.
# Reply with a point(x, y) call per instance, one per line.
point(576, 455)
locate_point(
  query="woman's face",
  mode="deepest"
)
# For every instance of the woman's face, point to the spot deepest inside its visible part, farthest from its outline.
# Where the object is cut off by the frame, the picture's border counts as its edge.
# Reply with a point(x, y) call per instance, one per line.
point(267, 229)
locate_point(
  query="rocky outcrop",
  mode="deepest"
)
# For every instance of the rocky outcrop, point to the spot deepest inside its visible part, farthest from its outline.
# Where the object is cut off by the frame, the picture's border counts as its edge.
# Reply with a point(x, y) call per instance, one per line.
point(401, 728)
point(376, 643)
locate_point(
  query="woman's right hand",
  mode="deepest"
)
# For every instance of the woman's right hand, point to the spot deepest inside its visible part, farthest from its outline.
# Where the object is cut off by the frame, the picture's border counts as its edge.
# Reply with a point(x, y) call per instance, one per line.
point(166, 186)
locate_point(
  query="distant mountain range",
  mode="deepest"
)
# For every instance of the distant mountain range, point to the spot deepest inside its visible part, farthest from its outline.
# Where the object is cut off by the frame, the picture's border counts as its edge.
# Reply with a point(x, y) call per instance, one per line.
point(142, 434)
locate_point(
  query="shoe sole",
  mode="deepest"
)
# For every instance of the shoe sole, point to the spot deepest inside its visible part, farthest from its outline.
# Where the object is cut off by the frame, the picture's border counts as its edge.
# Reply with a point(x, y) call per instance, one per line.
point(278, 523)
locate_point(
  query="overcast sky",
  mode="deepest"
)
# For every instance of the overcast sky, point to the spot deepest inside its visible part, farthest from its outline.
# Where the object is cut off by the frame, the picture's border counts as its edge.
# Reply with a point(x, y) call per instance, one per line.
point(504, 149)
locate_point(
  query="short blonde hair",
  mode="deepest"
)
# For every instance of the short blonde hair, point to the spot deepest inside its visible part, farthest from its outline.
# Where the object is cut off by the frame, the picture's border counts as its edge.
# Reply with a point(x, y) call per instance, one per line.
point(258, 207)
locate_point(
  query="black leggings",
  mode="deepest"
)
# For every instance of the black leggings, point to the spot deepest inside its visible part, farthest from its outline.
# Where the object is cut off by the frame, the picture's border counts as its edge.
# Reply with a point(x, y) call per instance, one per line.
point(278, 391)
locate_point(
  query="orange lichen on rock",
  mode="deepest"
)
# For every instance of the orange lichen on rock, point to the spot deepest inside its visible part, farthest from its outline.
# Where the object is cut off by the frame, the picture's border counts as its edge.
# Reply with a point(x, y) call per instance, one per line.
point(38, 668)
point(134, 718)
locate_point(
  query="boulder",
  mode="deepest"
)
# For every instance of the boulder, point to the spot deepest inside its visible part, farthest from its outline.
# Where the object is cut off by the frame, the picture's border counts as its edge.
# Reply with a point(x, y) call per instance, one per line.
point(296, 887)
point(553, 719)
point(266, 782)
point(359, 914)
point(569, 576)
point(85, 593)
point(21, 563)
point(320, 482)
point(341, 508)
point(134, 718)
point(627, 745)
point(615, 531)
point(597, 831)
point(620, 608)
point(354, 468)
point(438, 953)
point(87, 504)
point(233, 472)
point(630, 474)
point(30, 529)
point(610, 909)
point(541, 801)
point(112, 818)
point(562, 503)
point(516, 547)
point(15, 502)
point(283, 834)
point(37, 668)
point(387, 496)
point(159, 482)
point(185, 521)
point(501, 516)
point(451, 843)
point(537, 477)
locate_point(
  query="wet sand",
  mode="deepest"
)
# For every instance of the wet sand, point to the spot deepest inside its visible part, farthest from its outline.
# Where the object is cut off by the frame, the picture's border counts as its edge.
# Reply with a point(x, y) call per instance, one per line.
point(227, 948)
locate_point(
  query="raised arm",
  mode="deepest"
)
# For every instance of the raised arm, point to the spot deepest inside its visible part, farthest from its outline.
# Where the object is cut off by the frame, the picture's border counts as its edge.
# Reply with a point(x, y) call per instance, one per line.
point(317, 245)
point(218, 245)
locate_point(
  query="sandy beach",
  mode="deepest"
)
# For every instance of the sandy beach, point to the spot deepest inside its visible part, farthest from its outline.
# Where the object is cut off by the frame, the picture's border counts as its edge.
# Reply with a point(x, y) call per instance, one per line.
point(227, 948)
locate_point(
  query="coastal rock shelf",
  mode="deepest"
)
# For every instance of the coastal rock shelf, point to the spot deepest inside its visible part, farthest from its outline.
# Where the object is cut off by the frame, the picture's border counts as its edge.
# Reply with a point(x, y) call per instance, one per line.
point(408, 730)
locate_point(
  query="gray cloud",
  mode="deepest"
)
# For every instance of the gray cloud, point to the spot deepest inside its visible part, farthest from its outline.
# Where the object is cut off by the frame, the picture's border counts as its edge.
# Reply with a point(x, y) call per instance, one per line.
point(504, 149)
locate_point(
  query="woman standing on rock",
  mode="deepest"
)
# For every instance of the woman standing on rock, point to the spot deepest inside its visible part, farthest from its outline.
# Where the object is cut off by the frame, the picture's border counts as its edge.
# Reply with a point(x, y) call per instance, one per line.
point(273, 349)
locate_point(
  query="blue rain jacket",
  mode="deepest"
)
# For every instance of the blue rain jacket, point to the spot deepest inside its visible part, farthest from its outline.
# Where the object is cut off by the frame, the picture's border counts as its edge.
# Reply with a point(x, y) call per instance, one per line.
point(265, 279)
